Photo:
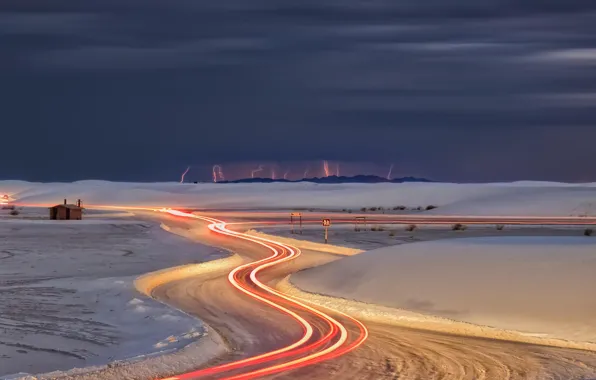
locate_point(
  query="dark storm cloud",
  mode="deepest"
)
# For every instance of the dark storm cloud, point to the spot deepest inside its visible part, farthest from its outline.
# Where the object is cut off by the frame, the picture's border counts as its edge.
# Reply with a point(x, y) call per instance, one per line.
point(453, 89)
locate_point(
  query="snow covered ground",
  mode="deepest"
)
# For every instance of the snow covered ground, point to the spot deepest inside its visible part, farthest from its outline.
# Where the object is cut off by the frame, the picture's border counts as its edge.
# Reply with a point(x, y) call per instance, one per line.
point(519, 198)
point(67, 297)
point(542, 286)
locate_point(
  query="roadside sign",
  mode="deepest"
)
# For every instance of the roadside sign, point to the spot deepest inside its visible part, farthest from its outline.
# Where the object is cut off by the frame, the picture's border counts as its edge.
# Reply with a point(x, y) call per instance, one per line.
point(295, 214)
point(326, 224)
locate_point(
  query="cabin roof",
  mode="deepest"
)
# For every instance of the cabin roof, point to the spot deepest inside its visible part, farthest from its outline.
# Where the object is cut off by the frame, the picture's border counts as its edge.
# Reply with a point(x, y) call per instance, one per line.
point(70, 206)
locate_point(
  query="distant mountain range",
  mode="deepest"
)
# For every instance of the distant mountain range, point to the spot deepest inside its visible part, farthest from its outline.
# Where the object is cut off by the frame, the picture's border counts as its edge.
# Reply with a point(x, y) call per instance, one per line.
point(334, 179)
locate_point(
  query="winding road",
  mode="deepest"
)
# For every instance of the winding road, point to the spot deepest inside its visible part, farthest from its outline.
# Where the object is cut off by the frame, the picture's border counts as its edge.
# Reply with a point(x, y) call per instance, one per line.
point(323, 336)
point(274, 336)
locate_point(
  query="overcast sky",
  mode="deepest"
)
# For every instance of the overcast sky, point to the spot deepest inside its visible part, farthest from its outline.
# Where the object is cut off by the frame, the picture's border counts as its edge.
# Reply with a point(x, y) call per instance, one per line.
point(457, 90)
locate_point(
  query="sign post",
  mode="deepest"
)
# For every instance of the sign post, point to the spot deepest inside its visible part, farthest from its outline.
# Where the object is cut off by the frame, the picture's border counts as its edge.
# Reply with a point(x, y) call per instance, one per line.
point(296, 215)
point(326, 224)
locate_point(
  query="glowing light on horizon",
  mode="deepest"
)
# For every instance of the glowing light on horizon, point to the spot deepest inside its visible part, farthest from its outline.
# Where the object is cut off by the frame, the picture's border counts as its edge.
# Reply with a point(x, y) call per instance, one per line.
point(218, 173)
point(259, 169)
point(326, 168)
point(390, 170)
point(183, 174)
point(337, 170)
point(272, 173)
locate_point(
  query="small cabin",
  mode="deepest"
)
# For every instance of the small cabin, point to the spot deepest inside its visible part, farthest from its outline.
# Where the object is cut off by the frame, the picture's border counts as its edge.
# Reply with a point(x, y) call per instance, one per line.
point(67, 211)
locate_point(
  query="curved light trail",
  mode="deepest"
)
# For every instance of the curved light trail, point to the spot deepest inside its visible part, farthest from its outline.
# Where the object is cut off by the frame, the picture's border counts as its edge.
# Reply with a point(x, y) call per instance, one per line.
point(307, 350)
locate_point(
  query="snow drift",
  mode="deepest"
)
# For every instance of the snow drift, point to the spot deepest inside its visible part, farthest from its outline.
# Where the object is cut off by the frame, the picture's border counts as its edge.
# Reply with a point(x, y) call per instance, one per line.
point(535, 285)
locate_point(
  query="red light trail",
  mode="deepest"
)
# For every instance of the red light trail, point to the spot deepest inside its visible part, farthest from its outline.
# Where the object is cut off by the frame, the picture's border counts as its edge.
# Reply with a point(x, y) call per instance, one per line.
point(309, 349)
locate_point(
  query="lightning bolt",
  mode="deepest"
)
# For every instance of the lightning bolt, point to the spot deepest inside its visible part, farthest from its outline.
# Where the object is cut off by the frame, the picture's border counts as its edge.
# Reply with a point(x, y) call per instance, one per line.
point(259, 169)
point(305, 173)
point(337, 170)
point(390, 170)
point(183, 174)
point(286, 174)
point(218, 173)
point(272, 173)
point(326, 168)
